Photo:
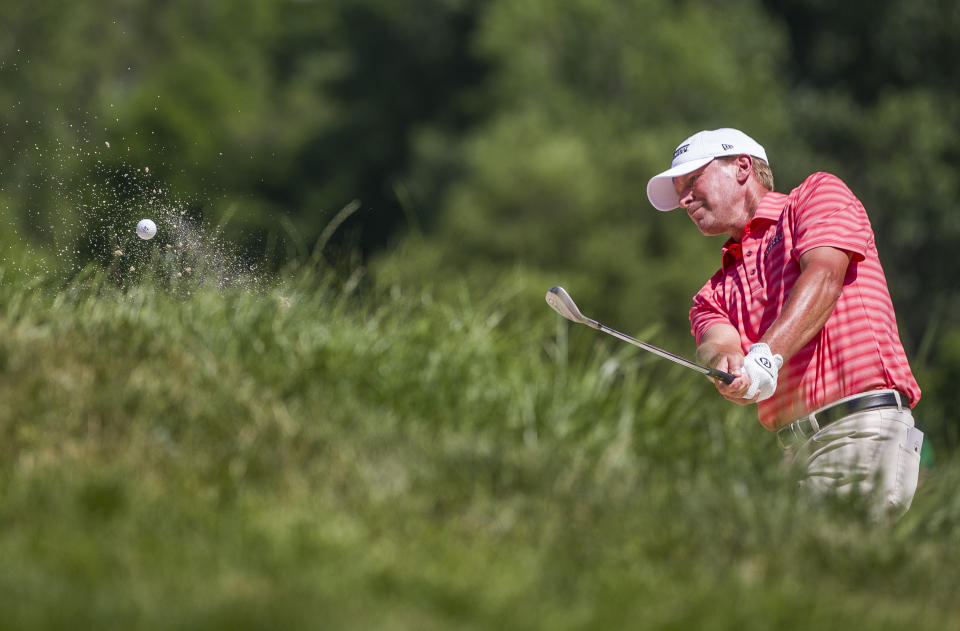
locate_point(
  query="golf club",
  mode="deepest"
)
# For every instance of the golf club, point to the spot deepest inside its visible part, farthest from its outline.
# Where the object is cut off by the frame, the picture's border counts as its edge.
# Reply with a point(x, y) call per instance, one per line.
point(562, 303)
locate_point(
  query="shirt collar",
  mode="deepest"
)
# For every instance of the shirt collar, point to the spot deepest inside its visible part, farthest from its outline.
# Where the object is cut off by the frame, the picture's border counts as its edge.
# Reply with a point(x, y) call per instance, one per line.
point(768, 211)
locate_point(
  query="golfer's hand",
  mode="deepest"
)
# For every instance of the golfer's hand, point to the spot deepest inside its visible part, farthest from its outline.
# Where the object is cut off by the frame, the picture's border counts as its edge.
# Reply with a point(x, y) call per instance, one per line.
point(736, 390)
point(720, 348)
point(761, 368)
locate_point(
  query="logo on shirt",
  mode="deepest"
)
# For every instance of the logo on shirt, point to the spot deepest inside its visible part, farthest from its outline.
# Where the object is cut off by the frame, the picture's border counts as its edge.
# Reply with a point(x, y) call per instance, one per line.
point(776, 239)
point(682, 149)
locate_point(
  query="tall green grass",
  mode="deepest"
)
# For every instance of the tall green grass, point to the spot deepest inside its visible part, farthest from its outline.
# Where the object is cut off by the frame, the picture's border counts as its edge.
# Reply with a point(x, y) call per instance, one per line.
point(303, 455)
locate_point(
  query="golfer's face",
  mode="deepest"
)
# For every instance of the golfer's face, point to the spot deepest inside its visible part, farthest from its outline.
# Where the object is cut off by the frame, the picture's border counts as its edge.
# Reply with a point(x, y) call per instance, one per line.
point(707, 195)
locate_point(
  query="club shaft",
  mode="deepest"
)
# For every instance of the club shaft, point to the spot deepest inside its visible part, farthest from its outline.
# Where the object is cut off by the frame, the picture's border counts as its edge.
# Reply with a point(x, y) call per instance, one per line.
point(561, 302)
point(704, 370)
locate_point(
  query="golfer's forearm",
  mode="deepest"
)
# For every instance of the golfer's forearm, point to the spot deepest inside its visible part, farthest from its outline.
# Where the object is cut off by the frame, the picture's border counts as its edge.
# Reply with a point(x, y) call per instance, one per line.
point(718, 341)
point(808, 307)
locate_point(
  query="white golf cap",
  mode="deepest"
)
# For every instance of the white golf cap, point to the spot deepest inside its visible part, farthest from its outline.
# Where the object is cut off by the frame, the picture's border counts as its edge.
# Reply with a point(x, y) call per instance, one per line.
point(693, 153)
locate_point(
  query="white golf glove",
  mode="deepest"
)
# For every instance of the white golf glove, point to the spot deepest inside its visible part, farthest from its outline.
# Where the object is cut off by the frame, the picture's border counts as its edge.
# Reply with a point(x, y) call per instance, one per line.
point(762, 367)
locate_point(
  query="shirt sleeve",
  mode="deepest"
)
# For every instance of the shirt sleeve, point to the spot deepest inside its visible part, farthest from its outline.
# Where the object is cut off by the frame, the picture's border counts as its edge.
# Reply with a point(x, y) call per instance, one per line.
point(707, 309)
point(827, 213)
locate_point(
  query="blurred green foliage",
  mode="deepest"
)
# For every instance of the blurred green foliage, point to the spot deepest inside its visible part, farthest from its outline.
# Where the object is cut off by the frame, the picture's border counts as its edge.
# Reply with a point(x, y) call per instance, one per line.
point(483, 136)
point(255, 110)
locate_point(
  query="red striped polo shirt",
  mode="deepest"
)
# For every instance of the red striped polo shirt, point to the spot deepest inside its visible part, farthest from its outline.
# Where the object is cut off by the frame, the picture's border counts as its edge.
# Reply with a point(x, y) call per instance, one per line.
point(859, 348)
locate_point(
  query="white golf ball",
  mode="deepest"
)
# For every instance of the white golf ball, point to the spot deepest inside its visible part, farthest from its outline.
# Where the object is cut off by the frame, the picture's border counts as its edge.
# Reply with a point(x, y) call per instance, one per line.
point(146, 229)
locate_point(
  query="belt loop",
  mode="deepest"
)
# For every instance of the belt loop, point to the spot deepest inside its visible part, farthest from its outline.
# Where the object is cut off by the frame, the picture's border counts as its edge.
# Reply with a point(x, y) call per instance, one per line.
point(896, 395)
point(797, 433)
point(814, 425)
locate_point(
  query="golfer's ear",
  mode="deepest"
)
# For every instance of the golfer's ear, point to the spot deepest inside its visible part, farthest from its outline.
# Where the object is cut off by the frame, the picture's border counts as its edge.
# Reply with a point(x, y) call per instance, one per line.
point(744, 167)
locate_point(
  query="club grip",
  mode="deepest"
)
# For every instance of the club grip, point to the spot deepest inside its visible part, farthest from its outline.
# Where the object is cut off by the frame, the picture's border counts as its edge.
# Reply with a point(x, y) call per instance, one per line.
point(725, 377)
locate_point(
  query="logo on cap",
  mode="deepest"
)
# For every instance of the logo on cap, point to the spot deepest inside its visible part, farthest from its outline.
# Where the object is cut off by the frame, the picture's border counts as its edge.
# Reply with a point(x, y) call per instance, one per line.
point(680, 150)
point(726, 147)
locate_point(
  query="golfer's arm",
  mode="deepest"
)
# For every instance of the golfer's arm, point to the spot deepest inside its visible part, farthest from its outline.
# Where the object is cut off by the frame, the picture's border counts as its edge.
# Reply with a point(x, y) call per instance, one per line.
point(811, 301)
point(718, 341)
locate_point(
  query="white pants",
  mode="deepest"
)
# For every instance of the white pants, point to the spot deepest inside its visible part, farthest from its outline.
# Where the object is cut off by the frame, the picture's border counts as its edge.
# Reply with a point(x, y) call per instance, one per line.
point(874, 454)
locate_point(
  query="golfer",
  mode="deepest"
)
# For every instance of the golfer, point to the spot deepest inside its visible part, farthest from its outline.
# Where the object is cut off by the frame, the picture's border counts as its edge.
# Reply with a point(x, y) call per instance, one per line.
point(800, 314)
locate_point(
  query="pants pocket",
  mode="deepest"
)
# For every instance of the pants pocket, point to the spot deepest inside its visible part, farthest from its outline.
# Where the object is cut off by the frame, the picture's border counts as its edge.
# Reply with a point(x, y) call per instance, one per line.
point(907, 472)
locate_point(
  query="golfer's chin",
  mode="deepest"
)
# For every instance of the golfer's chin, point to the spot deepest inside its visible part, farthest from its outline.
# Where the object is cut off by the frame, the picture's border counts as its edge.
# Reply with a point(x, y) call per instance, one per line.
point(706, 227)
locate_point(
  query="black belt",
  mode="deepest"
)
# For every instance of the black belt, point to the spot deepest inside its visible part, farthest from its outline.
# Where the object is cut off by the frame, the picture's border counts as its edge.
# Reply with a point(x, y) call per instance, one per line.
point(807, 426)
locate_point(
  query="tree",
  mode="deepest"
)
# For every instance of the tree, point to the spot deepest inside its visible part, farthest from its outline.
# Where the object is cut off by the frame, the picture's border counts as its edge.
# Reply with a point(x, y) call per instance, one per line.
point(589, 100)
point(267, 116)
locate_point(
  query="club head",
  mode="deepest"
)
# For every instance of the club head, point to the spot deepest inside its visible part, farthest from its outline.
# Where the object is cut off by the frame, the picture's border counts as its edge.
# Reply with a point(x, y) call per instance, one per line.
point(562, 303)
